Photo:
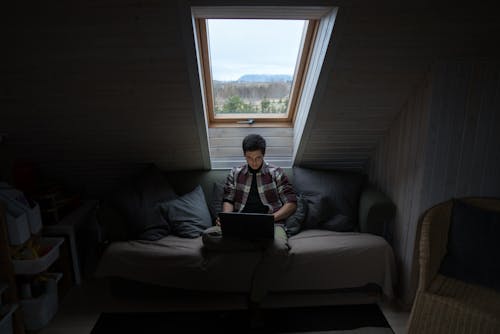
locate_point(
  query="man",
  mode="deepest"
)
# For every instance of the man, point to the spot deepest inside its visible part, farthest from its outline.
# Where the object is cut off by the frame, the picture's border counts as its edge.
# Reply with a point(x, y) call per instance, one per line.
point(259, 187)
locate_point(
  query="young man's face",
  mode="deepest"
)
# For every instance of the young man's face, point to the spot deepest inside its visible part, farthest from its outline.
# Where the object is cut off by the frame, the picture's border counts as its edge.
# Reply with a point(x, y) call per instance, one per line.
point(254, 159)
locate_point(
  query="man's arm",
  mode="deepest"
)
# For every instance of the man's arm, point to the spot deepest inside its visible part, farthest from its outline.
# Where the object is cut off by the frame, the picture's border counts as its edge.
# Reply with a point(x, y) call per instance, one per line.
point(227, 207)
point(285, 211)
point(287, 195)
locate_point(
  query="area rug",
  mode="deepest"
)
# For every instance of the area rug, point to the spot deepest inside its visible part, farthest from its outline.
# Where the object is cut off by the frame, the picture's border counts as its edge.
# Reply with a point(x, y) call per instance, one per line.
point(323, 319)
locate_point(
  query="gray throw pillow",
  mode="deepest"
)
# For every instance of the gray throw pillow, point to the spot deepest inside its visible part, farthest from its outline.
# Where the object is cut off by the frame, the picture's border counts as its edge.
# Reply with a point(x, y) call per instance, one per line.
point(188, 215)
point(330, 193)
point(317, 205)
point(136, 201)
point(294, 222)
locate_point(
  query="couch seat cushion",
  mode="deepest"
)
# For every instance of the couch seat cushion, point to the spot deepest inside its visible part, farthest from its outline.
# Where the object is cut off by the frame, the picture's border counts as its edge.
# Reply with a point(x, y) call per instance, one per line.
point(179, 263)
point(324, 260)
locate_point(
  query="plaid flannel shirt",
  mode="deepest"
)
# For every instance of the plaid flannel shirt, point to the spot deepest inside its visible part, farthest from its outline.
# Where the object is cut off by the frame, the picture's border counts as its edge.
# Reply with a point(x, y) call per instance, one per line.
point(272, 184)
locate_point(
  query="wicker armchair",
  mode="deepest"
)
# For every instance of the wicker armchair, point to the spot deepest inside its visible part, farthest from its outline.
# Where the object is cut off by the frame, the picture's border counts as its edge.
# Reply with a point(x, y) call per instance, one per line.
point(446, 305)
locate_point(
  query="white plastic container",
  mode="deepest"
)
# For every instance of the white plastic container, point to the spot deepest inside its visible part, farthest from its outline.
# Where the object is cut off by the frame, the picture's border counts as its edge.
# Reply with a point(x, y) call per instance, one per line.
point(39, 311)
point(18, 228)
point(35, 266)
point(34, 218)
point(20, 203)
point(6, 319)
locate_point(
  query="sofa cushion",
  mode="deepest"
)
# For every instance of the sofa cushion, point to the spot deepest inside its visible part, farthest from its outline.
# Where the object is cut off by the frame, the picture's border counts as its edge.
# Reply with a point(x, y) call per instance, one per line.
point(332, 196)
point(327, 260)
point(315, 214)
point(473, 250)
point(294, 222)
point(179, 263)
point(136, 201)
point(338, 222)
point(188, 215)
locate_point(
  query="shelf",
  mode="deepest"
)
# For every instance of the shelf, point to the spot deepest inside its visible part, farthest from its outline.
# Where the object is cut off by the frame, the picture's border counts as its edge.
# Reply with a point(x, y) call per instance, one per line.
point(35, 266)
point(12, 321)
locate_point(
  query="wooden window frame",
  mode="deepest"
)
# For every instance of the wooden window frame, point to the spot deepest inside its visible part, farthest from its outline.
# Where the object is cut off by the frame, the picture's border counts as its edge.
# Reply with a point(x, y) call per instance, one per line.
point(265, 120)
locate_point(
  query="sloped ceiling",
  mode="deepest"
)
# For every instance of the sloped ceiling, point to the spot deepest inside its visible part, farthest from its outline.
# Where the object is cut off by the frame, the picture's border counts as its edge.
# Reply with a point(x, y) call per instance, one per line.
point(380, 55)
point(91, 91)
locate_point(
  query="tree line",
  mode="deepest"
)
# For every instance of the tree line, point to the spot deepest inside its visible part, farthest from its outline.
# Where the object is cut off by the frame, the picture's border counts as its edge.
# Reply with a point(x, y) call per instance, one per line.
point(244, 97)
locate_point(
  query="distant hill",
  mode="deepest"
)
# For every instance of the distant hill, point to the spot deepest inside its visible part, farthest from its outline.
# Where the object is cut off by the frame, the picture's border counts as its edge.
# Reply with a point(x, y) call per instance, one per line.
point(265, 78)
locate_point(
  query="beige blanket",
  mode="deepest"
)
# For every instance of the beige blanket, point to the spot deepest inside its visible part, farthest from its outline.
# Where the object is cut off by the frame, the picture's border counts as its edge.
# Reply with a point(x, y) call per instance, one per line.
point(321, 260)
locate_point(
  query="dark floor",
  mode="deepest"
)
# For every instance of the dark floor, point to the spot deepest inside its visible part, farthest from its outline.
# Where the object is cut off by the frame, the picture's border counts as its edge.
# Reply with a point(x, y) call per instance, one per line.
point(80, 308)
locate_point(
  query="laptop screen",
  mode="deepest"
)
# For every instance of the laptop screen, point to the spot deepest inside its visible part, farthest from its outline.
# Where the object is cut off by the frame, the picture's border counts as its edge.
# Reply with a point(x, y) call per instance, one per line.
point(247, 225)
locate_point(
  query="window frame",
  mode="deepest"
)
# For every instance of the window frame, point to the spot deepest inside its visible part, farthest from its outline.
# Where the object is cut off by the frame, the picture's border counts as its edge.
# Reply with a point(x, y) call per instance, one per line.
point(239, 120)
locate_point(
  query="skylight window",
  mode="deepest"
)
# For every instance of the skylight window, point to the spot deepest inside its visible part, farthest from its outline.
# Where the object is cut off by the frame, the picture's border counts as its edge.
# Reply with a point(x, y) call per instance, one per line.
point(253, 69)
point(253, 63)
point(234, 91)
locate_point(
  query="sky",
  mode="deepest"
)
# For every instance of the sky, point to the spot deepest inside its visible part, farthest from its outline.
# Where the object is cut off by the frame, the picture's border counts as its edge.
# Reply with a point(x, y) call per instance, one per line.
point(240, 47)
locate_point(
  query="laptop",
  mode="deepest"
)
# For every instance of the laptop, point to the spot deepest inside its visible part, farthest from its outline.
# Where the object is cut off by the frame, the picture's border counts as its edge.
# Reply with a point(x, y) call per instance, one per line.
point(249, 226)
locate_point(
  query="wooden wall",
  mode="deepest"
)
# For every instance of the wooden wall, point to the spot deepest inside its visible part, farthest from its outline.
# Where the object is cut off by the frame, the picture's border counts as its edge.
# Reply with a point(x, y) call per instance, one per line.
point(380, 54)
point(225, 145)
point(463, 147)
point(397, 168)
point(443, 144)
point(91, 90)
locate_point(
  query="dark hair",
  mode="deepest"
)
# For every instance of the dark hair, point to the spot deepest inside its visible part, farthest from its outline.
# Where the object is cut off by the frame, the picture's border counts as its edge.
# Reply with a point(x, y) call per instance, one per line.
point(254, 142)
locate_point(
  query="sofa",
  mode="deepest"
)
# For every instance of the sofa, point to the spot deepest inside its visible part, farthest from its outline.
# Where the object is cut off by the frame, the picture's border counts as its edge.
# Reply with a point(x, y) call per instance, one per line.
point(151, 230)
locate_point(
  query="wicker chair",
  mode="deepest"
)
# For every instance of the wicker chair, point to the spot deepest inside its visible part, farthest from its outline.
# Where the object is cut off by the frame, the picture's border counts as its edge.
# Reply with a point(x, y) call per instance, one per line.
point(446, 305)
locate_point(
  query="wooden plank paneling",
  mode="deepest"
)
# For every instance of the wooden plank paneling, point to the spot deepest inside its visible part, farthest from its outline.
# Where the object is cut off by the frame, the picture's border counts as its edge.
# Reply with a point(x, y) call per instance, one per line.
point(458, 161)
point(88, 94)
point(225, 144)
point(444, 144)
point(383, 57)
point(396, 168)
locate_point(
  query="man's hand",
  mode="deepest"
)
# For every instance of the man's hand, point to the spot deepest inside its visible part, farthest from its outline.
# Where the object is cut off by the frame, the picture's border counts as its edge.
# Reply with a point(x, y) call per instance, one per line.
point(285, 211)
point(226, 207)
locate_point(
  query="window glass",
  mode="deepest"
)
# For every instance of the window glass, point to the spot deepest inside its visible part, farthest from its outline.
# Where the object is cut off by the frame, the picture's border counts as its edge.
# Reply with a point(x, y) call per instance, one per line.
point(252, 64)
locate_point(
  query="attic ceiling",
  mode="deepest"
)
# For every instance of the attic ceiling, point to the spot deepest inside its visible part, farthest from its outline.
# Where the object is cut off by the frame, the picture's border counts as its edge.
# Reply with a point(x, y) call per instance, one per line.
point(92, 91)
point(380, 56)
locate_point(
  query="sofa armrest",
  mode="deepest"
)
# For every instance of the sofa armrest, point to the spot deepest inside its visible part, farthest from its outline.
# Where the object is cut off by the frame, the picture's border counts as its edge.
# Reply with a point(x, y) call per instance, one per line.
point(376, 211)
